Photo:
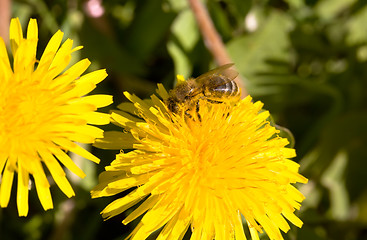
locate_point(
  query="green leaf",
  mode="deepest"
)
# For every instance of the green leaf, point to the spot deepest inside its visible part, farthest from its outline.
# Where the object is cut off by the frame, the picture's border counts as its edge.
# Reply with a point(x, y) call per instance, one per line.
point(296, 3)
point(178, 5)
point(110, 52)
point(250, 52)
point(334, 180)
point(185, 35)
point(357, 28)
point(328, 9)
point(347, 132)
point(148, 29)
point(180, 59)
point(220, 19)
point(185, 30)
point(239, 8)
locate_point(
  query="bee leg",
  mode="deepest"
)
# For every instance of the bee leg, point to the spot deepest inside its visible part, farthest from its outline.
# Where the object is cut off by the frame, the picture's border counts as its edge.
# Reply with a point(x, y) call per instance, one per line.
point(197, 110)
point(214, 101)
point(219, 102)
point(187, 114)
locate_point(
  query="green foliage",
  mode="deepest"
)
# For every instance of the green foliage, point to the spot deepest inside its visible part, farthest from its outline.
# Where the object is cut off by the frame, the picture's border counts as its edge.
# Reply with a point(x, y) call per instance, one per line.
point(305, 59)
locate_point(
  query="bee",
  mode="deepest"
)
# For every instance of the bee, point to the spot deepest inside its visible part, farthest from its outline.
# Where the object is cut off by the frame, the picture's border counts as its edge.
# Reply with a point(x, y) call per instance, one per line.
point(215, 86)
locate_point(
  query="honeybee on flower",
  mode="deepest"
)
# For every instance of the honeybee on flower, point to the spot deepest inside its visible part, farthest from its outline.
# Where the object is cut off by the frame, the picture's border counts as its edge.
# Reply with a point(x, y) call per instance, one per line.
point(215, 86)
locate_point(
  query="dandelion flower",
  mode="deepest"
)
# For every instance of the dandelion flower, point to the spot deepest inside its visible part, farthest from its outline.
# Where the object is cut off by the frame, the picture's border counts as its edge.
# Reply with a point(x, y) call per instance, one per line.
point(212, 175)
point(43, 113)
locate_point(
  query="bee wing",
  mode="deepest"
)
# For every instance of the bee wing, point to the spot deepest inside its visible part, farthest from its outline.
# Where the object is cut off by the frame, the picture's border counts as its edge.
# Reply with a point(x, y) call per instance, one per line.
point(222, 70)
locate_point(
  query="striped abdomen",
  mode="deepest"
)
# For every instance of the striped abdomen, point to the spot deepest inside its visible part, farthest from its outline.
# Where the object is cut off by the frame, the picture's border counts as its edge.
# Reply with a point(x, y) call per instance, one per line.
point(221, 87)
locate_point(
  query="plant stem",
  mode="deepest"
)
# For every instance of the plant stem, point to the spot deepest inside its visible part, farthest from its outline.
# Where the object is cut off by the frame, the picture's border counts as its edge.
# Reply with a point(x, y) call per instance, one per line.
point(212, 39)
point(5, 19)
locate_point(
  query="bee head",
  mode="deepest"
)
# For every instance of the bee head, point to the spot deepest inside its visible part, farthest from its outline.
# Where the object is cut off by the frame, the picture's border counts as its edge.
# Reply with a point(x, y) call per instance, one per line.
point(184, 91)
point(172, 104)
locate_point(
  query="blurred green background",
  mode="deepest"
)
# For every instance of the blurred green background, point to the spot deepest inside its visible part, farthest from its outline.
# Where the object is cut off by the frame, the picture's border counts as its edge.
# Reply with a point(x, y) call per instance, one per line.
point(305, 59)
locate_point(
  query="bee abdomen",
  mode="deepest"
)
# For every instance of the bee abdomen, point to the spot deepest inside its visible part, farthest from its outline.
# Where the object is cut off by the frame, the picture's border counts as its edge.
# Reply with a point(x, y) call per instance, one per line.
point(222, 88)
point(227, 90)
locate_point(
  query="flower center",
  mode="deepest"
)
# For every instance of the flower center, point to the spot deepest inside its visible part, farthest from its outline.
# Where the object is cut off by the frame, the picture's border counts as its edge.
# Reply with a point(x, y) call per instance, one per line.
point(25, 110)
point(209, 145)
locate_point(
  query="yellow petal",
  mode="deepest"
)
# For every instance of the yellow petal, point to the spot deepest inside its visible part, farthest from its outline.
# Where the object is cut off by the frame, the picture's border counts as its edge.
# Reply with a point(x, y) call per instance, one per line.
point(61, 58)
point(32, 30)
point(269, 227)
point(238, 228)
point(15, 35)
point(87, 130)
point(123, 118)
point(104, 178)
point(57, 173)
point(50, 50)
point(22, 194)
point(75, 108)
point(72, 73)
point(80, 138)
point(278, 219)
point(5, 69)
point(98, 100)
point(180, 79)
point(3, 159)
point(293, 218)
point(79, 90)
point(68, 163)
point(25, 58)
point(127, 107)
point(45, 197)
point(5, 188)
point(128, 182)
point(151, 222)
point(122, 204)
point(65, 143)
point(115, 140)
point(96, 118)
point(42, 187)
point(145, 206)
point(254, 234)
point(93, 77)
point(162, 91)
point(177, 227)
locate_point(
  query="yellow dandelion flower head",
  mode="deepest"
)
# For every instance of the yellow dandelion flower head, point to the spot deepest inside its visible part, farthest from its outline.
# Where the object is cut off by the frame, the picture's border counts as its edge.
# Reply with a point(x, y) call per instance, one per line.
point(207, 173)
point(42, 113)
